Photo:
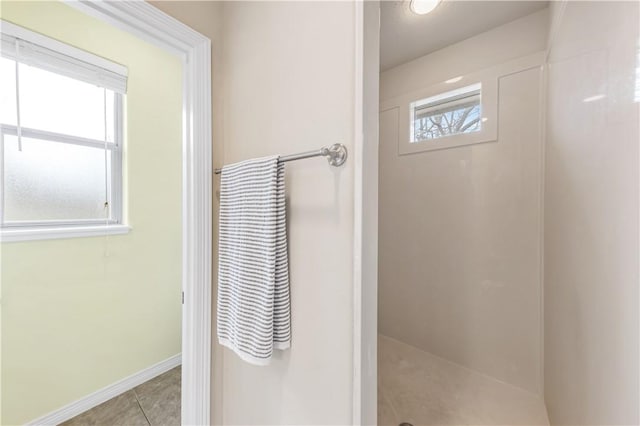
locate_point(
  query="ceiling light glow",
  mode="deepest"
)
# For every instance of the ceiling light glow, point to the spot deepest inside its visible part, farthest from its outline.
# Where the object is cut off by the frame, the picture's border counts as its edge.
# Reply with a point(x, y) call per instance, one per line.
point(422, 7)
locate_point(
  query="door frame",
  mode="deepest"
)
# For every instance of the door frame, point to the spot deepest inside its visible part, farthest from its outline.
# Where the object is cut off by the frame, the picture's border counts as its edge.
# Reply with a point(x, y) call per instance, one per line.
point(365, 247)
point(154, 26)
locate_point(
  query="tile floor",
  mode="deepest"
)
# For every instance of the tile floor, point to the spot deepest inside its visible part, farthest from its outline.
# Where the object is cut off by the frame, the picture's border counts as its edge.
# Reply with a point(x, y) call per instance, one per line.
point(156, 402)
point(422, 389)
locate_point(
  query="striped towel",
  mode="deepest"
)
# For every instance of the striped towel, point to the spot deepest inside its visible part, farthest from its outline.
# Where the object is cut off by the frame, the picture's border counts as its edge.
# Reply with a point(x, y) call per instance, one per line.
point(253, 275)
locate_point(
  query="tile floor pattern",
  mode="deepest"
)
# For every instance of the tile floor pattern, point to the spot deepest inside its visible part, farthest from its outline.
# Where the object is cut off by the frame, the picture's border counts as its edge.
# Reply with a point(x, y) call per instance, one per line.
point(156, 402)
point(422, 389)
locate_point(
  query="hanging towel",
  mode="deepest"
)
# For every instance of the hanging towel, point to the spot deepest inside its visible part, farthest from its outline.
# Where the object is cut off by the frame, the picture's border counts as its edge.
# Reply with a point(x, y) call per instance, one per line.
point(253, 275)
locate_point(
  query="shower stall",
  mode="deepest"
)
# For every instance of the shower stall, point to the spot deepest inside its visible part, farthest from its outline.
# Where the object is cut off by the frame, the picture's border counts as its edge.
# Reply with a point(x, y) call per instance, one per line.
point(508, 213)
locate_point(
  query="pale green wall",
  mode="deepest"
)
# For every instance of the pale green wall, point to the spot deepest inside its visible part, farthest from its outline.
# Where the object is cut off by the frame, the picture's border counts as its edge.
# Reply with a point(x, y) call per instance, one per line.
point(80, 314)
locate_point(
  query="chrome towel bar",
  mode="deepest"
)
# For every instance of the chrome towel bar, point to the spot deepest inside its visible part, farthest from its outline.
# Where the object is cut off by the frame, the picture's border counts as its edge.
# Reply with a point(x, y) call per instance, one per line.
point(336, 155)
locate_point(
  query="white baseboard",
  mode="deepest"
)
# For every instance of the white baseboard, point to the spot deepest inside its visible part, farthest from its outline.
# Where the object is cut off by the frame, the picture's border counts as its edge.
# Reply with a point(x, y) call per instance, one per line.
point(98, 397)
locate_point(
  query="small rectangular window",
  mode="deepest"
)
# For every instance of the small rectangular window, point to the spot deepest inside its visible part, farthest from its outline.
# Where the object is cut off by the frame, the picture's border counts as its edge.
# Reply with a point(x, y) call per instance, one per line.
point(61, 135)
point(451, 113)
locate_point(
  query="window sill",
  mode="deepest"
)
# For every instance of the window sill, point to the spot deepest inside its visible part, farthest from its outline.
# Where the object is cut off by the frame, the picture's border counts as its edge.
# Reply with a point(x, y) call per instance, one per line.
point(8, 235)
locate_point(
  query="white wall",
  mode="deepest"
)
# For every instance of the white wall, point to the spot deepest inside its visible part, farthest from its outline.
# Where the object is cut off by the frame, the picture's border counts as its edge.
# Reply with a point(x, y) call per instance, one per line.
point(591, 215)
point(289, 87)
point(460, 229)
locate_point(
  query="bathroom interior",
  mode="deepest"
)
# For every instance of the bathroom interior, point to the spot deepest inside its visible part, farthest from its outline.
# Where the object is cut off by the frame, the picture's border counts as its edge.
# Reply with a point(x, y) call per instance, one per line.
point(508, 132)
point(474, 261)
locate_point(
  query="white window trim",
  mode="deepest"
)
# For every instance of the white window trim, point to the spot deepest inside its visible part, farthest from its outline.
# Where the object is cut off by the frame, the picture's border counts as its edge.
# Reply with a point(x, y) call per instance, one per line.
point(489, 110)
point(436, 103)
point(60, 232)
point(7, 230)
point(17, 231)
point(488, 78)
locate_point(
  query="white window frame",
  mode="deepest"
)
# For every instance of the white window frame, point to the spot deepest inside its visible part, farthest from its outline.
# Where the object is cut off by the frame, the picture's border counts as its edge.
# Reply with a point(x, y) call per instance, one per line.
point(488, 78)
point(489, 112)
point(51, 229)
point(449, 99)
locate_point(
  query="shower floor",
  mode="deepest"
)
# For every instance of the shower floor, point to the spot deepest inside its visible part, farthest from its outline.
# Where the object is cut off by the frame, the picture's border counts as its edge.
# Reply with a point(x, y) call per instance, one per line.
point(422, 389)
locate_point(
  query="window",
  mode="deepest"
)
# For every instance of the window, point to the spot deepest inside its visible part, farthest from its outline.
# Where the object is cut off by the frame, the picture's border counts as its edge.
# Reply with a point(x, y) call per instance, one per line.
point(61, 134)
point(450, 113)
point(456, 112)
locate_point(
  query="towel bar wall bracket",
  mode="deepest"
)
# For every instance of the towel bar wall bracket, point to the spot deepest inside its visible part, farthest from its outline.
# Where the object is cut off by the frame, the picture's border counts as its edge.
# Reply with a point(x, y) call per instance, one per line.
point(336, 155)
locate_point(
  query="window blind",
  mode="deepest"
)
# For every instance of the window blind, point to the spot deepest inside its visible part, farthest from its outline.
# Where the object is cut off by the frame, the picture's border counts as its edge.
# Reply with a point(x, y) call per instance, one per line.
point(23, 46)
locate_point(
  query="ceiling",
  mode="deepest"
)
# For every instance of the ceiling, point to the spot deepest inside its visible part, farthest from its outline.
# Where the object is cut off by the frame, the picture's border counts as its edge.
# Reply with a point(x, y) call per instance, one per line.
point(405, 36)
